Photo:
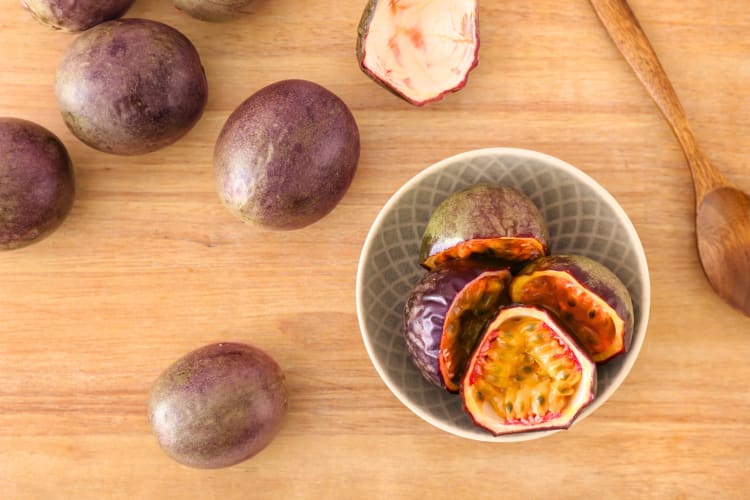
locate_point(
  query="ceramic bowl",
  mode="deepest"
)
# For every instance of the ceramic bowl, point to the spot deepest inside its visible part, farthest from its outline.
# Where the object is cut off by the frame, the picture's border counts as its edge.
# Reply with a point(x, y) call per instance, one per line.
point(582, 217)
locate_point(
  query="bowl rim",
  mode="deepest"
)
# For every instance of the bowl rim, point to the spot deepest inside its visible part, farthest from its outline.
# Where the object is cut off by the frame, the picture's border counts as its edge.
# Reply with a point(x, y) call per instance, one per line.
point(579, 175)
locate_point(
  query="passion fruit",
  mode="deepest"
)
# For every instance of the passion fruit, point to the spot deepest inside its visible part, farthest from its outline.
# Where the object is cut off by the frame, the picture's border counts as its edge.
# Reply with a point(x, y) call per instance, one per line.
point(218, 405)
point(287, 155)
point(213, 10)
point(527, 374)
point(420, 50)
point(481, 224)
point(37, 186)
point(131, 86)
point(445, 314)
point(76, 15)
point(588, 297)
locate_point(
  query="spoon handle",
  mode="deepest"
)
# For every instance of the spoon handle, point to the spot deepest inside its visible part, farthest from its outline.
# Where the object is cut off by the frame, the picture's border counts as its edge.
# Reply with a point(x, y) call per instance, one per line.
point(630, 39)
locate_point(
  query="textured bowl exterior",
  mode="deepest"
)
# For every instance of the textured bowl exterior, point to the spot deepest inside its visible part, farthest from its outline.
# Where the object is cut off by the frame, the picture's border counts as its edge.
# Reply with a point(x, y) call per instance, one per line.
point(581, 216)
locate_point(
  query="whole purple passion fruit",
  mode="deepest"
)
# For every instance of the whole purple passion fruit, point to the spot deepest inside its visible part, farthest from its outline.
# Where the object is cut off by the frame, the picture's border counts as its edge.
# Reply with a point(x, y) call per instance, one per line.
point(37, 186)
point(481, 224)
point(445, 314)
point(589, 298)
point(287, 155)
point(131, 86)
point(213, 10)
point(76, 15)
point(218, 405)
point(527, 374)
point(419, 49)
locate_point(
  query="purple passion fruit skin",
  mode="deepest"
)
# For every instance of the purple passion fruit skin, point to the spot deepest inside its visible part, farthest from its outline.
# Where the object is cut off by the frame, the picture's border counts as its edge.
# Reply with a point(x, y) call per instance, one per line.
point(76, 15)
point(218, 405)
point(131, 86)
point(37, 185)
point(287, 155)
point(527, 374)
point(481, 224)
point(440, 39)
point(589, 299)
point(443, 317)
point(213, 10)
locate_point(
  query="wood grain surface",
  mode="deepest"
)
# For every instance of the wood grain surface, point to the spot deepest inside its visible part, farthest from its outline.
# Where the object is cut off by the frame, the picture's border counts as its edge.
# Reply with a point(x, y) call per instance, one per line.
point(149, 266)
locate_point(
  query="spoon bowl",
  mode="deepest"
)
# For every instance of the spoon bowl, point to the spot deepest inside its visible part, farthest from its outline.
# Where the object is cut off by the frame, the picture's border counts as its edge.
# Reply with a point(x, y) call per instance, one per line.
point(723, 234)
point(722, 218)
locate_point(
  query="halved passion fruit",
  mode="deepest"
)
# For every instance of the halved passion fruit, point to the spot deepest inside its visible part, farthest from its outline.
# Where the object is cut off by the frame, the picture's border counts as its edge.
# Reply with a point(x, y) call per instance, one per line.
point(482, 224)
point(527, 374)
point(419, 49)
point(444, 316)
point(589, 299)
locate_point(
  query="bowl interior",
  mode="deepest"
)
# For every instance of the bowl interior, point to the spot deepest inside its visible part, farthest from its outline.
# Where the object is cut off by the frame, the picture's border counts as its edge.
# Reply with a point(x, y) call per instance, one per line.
point(581, 217)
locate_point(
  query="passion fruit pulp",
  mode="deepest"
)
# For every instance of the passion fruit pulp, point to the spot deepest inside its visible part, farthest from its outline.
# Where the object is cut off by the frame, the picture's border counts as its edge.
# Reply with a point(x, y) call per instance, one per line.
point(444, 316)
point(482, 224)
point(590, 300)
point(527, 374)
point(420, 50)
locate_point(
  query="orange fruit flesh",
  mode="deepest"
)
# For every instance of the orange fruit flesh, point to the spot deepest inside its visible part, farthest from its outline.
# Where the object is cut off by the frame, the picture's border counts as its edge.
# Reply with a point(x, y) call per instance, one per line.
point(483, 250)
point(464, 322)
point(593, 322)
point(524, 373)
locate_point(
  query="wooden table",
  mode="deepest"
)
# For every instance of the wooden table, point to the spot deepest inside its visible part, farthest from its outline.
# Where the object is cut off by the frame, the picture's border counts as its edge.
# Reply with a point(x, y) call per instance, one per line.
point(149, 266)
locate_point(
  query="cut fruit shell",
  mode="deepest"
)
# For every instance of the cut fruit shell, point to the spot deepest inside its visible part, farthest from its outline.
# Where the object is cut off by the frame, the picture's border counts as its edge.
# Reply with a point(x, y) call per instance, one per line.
point(588, 298)
point(527, 374)
point(484, 225)
point(444, 316)
point(419, 49)
point(465, 320)
point(486, 251)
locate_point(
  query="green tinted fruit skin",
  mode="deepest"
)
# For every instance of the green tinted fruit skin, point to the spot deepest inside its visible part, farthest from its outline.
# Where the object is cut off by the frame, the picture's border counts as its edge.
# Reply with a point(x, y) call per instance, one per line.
point(37, 185)
point(131, 86)
point(595, 277)
point(287, 155)
point(76, 15)
point(218, 405)
point(482, 211)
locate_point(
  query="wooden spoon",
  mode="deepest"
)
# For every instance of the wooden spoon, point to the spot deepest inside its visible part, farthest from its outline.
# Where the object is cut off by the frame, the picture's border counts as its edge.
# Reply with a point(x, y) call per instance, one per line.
point(722, 210)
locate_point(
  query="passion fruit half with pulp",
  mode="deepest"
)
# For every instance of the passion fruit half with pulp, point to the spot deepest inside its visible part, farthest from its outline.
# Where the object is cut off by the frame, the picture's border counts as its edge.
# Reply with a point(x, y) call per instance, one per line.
point(419, 50)
point(527, 374)
point(588, 297)
point(444, 316)
point(482, 224)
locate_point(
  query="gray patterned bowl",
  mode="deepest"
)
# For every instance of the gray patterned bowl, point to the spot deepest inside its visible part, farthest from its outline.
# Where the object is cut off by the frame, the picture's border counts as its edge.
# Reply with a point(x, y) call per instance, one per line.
point(582, 217)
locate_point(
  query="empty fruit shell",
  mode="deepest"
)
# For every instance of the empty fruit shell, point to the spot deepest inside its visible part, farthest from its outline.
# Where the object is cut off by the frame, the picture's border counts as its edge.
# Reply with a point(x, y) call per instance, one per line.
point(419, 49)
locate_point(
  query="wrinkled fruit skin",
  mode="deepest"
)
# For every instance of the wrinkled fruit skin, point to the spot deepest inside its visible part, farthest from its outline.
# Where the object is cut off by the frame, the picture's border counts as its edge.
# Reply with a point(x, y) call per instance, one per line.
point(76, 15)
point(287, 155)
point(37, 185)
point(592, 277)
point(527, 374)
point(432, 300)
point(213, 10)
point(131, 86)
point(483, 213)
point(218, 405)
